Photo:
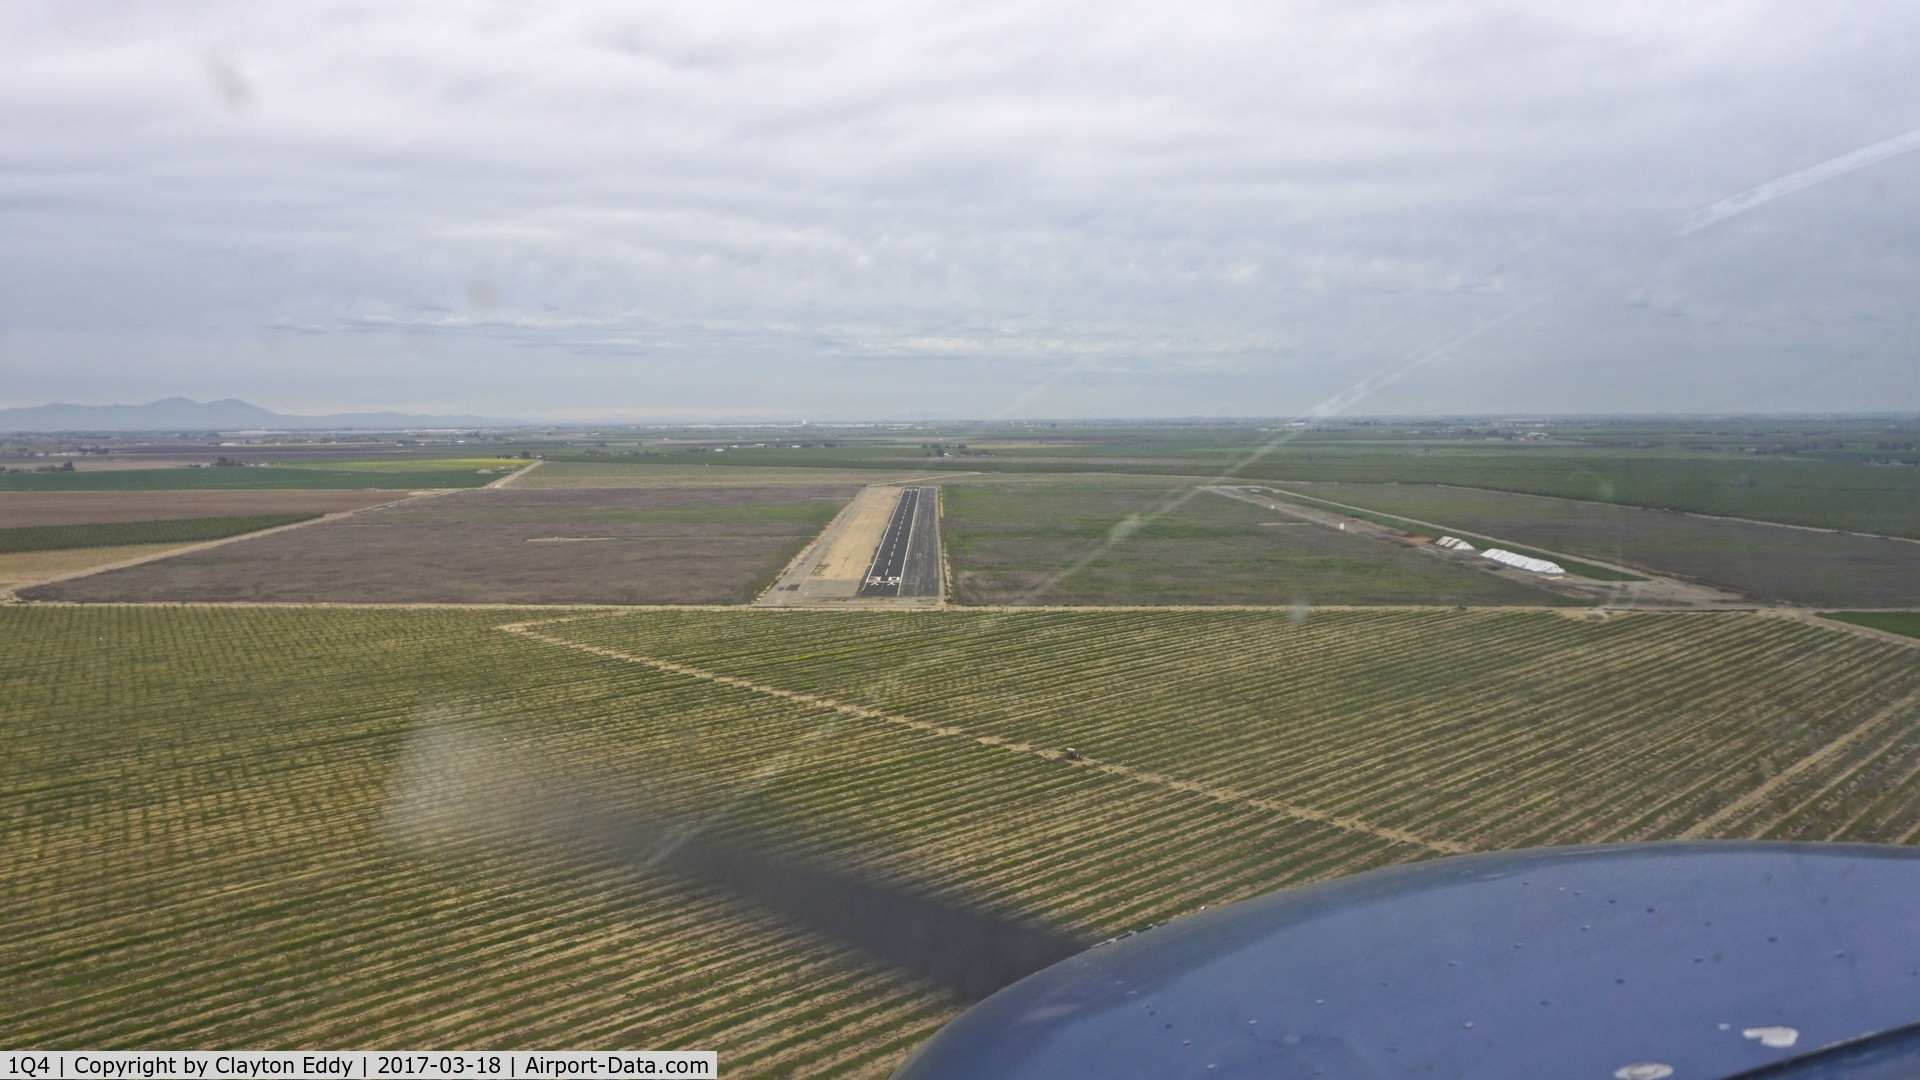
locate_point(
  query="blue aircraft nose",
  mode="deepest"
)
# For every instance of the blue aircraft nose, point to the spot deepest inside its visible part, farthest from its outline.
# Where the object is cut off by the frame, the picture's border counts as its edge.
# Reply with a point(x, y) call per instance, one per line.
point(1634, 962)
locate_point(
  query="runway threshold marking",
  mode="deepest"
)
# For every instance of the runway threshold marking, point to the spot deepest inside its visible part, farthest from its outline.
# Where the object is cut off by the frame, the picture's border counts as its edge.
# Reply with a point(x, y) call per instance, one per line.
point(1224, 795)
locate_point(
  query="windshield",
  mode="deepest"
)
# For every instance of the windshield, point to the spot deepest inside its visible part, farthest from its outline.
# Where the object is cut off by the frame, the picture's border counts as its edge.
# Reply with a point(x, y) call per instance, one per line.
point(749, 528)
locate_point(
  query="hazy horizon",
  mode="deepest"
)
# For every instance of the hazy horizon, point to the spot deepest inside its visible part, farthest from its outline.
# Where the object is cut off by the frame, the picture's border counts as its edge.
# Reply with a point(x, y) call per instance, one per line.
point(1507, 417)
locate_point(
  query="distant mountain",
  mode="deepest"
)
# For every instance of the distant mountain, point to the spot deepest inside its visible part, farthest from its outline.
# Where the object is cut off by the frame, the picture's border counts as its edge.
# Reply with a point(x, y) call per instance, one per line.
point(232, 414)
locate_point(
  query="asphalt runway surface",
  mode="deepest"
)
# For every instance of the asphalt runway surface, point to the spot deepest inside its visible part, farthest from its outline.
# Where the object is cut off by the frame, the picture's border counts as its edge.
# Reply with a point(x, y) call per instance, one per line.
point(907, 562)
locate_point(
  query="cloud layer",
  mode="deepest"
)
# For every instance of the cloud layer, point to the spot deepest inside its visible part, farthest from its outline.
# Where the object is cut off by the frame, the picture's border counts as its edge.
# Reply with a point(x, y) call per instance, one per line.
point(965, 209)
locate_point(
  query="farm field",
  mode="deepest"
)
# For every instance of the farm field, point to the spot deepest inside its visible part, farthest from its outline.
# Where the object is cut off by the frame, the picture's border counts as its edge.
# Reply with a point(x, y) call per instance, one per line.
point(593, 474)
point(1840, 494)
point(20, 509)
point(1556, 713)
point(124, 533)
point(24, 567)
point(116, 464)
point(305, 827)
point(1798, 491)
point(1012, 544)
point(1822, 494)
point(1766, 562)
point(505, 545)
point(1893, 622)
point(402, 475)
point(1415, 528)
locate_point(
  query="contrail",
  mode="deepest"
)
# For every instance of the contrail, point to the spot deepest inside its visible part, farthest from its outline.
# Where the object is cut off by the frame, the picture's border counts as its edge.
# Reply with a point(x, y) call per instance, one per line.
point(1792, 182)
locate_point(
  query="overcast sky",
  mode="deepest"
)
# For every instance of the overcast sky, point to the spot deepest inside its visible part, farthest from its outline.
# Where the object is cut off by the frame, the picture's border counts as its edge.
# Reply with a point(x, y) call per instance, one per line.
point(962, 209)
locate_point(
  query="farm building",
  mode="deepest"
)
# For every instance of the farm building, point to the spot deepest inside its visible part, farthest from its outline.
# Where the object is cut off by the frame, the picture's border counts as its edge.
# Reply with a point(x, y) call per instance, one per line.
point(1538, 566)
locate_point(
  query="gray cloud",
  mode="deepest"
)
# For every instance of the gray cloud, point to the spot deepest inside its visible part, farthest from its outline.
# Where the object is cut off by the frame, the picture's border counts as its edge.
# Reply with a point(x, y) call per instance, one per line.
point(941, 208)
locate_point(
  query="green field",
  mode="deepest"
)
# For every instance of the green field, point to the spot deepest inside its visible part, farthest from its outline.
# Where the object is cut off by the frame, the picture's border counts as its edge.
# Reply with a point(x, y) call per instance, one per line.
point(1860, 496)
point(1796, 491)
point(386, 475)
point(1105, 543)
point(113, 534)
point(1893, 622)
point(304, 827)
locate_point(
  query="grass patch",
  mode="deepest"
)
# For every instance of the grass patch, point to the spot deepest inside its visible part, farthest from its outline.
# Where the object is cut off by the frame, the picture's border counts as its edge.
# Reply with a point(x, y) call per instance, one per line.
point(120, 533)
point(1571, 566)
point(1893, 622)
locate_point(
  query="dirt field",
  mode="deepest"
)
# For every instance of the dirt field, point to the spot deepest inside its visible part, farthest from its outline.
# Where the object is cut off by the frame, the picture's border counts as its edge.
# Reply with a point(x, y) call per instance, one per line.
point(643, 546)
point(18, 568)
point(853, 549)
point(20, 509)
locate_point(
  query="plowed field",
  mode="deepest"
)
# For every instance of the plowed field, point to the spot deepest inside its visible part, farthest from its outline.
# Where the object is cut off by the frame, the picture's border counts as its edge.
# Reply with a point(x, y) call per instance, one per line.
point(20, 509)
point(663, 545)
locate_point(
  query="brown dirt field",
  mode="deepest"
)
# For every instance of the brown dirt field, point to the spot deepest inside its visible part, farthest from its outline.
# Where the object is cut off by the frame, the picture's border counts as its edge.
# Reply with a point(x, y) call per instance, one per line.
point(25, 508)
point(640, 546)
point(852, 550)
point(19, 567)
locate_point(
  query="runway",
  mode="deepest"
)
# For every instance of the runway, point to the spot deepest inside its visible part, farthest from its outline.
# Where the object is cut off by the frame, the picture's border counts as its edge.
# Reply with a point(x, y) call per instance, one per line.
point(883, 550)
point(907, 561)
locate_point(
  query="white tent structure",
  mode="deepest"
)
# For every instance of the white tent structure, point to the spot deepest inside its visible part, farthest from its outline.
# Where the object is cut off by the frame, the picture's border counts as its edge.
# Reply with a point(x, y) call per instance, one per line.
point(1454, 543)
point(1538, 566)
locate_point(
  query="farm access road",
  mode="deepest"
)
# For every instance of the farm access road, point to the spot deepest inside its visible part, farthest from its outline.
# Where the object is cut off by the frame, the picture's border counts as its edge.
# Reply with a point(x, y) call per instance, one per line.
point(1657, 591)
